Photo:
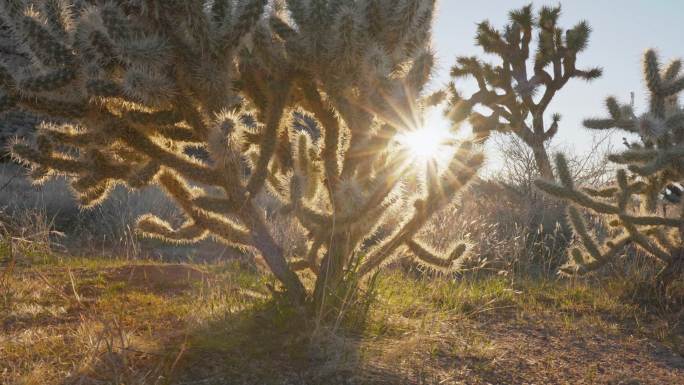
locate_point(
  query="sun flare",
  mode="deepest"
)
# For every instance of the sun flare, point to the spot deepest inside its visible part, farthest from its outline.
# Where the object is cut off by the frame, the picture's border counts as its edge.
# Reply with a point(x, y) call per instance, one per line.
point(424, 143)
point(429, 142)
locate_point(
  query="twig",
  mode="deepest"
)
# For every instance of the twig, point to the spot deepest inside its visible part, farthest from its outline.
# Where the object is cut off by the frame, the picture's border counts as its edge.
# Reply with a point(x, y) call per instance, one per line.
point(4, 186)
point(73, 286)
point(178, 356)
point(51, 286)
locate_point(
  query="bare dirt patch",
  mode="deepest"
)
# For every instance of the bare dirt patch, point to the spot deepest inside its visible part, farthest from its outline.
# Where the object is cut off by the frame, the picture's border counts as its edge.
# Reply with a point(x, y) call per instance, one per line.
point(156, 277)
point(527, 351)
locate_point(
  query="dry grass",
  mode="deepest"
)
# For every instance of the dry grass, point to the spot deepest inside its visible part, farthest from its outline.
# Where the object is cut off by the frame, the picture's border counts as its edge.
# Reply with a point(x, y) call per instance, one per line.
point(49, 210)
point(94, 321)
point(90, 321)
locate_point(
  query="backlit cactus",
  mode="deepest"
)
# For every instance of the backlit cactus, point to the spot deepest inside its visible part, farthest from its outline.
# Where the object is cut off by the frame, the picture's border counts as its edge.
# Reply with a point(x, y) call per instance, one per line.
point(651, 165)
point(519, 89)
point(299, 100)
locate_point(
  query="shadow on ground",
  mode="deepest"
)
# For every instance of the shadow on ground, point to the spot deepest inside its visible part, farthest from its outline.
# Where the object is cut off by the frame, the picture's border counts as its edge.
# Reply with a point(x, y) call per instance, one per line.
point(170, 329)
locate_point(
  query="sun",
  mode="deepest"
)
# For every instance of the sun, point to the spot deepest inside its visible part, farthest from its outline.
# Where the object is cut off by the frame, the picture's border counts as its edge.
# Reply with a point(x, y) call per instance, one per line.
point(424, 143)
point(429, 142)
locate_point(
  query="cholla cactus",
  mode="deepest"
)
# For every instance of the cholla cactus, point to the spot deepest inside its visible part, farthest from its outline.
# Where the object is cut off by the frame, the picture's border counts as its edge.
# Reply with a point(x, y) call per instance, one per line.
point(511, 93)
point(138, 82)
point(651, 166)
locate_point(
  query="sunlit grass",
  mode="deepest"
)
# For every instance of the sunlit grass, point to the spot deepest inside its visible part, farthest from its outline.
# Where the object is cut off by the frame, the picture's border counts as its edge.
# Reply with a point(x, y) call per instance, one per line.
point(220, 326)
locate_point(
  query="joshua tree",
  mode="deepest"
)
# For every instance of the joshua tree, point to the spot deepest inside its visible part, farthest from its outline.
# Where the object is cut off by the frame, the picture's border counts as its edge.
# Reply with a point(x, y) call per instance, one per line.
point(136, 82)
point(651, 165)
point(508, 90)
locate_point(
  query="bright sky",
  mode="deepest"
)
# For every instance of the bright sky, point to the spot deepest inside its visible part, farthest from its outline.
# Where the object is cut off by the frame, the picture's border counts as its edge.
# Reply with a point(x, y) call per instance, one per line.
point(622, 30)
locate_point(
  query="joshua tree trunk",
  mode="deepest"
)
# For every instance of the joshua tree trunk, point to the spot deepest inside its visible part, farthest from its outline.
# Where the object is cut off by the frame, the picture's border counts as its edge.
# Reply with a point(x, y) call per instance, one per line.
point(541, 157)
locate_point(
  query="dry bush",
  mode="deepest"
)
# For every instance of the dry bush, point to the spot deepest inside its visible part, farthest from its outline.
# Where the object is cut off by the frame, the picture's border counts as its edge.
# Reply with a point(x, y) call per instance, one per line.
point(513, 227)
point(505, 234)
point(43, 219)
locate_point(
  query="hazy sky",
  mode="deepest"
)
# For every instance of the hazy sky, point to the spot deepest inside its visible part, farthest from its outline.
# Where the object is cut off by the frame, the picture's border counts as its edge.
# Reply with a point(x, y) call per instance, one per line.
point(622, 30)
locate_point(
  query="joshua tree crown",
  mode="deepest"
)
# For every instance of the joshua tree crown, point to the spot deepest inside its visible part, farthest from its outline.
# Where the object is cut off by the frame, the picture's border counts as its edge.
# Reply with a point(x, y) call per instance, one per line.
point(508, 89)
